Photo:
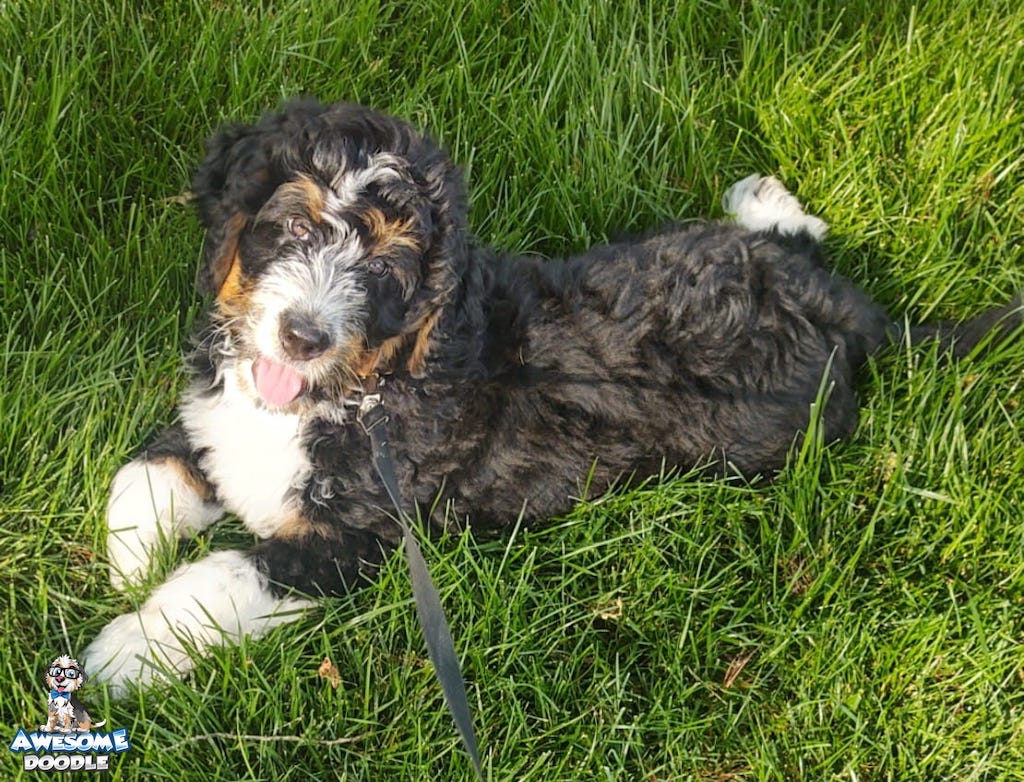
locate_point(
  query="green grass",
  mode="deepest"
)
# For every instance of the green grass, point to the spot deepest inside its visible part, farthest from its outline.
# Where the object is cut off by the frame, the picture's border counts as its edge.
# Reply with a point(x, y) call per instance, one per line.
point(858, 619)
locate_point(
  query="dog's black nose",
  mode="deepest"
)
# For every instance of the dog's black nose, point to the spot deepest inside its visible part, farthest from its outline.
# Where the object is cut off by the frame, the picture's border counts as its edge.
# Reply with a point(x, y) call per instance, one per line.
point(301, 338)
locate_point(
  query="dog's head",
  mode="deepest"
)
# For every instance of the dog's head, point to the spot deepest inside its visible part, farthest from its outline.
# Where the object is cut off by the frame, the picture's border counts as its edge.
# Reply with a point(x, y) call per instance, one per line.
point(64, 675)
point(334, 238)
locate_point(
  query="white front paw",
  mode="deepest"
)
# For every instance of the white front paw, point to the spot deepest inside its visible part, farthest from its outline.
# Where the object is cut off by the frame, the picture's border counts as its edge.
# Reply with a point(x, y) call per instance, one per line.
point(149, 502)
point(135, 648)
point(211, 602)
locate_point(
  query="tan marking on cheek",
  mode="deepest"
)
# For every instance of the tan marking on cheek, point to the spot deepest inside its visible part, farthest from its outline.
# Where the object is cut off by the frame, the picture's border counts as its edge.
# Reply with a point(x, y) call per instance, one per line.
point(390, 234)
point(382, 358)
point(359, 359)
point(367, 363)
point(227, 253)
point(231, 288)
point(235, 294)
point(376, 359)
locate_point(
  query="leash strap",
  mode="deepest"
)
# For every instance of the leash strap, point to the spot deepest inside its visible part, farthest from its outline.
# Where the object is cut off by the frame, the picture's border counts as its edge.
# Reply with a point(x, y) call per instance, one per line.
point(373, 418)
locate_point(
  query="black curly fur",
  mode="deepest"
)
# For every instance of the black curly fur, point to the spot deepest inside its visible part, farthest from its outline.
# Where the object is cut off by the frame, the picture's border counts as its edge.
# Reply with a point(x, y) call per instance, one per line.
point(544, 380)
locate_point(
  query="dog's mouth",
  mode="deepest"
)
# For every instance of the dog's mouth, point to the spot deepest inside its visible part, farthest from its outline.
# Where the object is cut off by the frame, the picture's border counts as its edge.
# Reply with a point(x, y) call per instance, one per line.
point(277, 384)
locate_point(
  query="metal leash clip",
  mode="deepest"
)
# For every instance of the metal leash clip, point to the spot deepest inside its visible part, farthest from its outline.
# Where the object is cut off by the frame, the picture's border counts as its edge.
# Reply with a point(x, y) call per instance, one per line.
point(371, 413)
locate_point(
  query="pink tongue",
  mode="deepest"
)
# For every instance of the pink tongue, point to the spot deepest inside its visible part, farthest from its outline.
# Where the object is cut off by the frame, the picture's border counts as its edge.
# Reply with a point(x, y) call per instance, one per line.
point(277, 384)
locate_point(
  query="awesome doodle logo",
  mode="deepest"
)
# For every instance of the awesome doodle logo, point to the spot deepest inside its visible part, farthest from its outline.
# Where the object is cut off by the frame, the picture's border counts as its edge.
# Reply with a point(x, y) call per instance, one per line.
point(68, 741)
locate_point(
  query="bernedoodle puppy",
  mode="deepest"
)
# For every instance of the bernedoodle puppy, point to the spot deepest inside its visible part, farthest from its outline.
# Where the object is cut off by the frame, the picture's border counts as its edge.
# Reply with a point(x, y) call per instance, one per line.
point(337, 252)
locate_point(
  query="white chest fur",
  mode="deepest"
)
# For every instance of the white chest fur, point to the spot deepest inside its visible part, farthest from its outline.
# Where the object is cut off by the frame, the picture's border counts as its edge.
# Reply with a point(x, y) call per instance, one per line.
point(254, 457)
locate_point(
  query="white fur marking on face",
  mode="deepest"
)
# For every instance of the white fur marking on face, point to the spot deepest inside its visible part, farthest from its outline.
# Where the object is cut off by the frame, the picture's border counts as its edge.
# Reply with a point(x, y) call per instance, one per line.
point(150, 501)
point(763, 204)
point(254, 456)
point(326, 288)
point(212, 602)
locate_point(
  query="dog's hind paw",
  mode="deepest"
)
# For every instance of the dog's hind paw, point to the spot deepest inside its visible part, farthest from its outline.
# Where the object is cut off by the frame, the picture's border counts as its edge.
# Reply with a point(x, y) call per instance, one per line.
point(764, 204)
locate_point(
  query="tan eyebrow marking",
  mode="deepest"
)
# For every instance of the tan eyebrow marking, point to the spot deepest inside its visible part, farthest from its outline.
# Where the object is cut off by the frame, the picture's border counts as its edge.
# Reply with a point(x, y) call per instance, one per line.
point(389, 233)
point(308, 192)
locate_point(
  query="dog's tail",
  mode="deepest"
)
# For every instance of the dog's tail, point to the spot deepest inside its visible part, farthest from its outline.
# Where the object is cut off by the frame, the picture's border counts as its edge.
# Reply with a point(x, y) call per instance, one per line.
point(981, 333)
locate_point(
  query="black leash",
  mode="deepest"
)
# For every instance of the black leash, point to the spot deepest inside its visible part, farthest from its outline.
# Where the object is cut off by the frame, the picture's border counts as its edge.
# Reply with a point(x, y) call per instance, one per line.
point(374, 419)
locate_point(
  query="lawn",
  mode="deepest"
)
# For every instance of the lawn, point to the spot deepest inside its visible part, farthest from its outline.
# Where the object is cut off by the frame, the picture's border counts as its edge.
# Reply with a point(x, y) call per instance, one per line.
point(859, 618)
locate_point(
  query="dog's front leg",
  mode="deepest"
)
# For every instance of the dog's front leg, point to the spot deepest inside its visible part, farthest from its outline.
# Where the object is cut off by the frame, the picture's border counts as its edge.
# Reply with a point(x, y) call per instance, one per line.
point(230, 594)
point(211, 602)
point(51, 722)
point(161, 495)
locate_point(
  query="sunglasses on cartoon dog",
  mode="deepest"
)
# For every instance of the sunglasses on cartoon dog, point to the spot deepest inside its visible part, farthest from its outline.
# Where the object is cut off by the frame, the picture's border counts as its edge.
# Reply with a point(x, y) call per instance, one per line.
point(68, 673)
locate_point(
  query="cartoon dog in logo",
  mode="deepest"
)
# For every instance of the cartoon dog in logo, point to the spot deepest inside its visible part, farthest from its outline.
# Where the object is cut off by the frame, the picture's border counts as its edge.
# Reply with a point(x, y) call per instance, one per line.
point(64, 677)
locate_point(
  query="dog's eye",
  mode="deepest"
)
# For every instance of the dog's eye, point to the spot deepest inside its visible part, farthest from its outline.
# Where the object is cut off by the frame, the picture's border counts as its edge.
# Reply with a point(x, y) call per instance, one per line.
point(299, 228)
point(377, 267)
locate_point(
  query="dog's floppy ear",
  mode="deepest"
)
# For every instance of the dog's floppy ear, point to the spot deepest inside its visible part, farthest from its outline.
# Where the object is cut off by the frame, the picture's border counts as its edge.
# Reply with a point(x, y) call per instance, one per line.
point(233, 181)
point(444, 189)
